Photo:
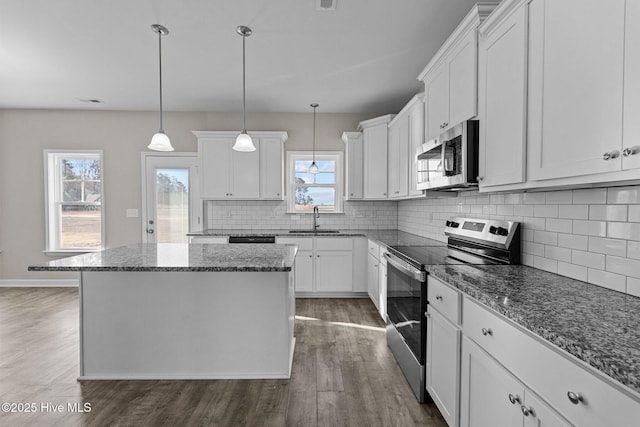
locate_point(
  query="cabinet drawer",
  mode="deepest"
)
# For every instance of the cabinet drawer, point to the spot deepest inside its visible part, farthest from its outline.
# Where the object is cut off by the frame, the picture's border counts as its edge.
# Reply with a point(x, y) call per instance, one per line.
point(549, 371)
point(444, 298)
point(304, 243)
point(334, 243)
point(374, 248)
point(209, 239)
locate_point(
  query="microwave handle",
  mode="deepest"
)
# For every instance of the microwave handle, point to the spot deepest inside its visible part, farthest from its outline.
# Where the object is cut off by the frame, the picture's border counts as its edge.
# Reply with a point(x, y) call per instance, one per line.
point(404, 268)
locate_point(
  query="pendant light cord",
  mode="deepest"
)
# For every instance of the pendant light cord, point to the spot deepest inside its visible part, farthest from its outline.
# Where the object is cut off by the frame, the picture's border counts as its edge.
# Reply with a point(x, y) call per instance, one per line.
point(160, 66)
point(314, 134)
point(244, 100)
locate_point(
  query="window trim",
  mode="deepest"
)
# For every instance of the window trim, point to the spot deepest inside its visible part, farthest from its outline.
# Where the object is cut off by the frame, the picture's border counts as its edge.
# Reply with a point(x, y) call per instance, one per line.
point(51, 183)
point(292, 156)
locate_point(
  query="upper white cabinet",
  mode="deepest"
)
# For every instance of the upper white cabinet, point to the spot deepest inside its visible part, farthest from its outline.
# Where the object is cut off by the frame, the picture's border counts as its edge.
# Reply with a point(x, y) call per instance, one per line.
point(502, 109)
point(450, 77)
point(576, 69)
point(226, 174)
point(406, 135)
point(367, 152)
point(355, 165)
point(631, 130)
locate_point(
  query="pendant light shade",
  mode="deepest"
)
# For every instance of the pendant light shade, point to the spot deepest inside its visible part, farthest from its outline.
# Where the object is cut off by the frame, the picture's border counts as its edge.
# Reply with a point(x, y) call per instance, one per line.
point(243, 141)
point(160, 141)
point(314, 168)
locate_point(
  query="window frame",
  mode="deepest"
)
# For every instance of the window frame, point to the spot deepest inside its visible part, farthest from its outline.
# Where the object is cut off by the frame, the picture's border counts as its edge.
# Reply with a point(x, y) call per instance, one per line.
point(52, 186)
point(336, 156)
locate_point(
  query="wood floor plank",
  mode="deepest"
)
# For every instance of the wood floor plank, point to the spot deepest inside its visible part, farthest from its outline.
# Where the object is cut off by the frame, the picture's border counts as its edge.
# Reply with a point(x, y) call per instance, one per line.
point(343, 374)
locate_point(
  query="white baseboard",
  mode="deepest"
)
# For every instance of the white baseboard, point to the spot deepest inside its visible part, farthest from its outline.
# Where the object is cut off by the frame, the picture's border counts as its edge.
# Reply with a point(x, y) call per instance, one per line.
point(41, 283)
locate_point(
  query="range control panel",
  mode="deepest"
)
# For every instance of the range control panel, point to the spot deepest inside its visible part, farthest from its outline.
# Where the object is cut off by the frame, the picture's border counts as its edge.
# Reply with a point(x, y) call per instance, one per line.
point(485, 231)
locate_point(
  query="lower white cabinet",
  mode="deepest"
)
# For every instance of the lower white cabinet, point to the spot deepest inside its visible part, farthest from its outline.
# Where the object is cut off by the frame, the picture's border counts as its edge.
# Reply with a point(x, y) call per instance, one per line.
point(382, 283)
point(491, 396)
point(372, 279)
point(324, 265)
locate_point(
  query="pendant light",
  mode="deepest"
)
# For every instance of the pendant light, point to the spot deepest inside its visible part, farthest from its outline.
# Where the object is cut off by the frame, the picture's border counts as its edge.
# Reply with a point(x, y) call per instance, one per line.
point(243, 141)
point(314, 168)
point(160, 141)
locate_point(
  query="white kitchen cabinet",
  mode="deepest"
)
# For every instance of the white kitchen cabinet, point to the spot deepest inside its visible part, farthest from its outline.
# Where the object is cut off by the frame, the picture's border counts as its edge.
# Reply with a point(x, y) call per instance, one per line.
point(502, 109)
point(450, 77)
point(406, 132)
point(631, 130)
point(375, 137)
point(271, 169)
point(491, 396)
point(324, 265)
point(355, 165)
point(575, 87)
point(226, 174)
point(382, 284)
point(372, 279)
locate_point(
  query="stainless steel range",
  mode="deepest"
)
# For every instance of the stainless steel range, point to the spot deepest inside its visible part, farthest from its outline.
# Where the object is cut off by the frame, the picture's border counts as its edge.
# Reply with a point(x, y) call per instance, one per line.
point(470, 241)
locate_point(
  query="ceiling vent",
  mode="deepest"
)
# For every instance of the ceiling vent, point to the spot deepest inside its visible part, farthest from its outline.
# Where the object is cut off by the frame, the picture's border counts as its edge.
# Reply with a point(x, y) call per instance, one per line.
point(326, 4)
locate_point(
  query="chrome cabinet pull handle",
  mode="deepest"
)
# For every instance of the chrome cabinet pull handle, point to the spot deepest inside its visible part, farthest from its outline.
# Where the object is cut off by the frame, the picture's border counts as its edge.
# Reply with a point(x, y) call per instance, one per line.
point(487, 331)
point(631, 151)
point(439, 297)
point(575, 398)
point(480, 178)
point(526, 411)
point(610, 155)
point(514, 398)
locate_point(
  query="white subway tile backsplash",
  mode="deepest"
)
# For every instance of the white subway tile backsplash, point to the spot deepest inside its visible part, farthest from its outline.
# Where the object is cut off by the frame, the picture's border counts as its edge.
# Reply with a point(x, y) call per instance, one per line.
point(608, 246)
point(607, 280)
point(624, 195)
point(624, 266)
point(590, 228)
point(608, 212)
point(588, 259)
point(590, 196)
point(573, 211)
point(591, 235)
point(573, 241)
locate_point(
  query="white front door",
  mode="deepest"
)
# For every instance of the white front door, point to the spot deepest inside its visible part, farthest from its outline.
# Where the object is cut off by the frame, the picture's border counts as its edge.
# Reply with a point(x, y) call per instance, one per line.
point(170, 197)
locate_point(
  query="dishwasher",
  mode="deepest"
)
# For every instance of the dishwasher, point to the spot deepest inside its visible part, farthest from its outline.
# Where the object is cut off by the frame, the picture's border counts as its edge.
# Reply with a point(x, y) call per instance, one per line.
point(252, 239)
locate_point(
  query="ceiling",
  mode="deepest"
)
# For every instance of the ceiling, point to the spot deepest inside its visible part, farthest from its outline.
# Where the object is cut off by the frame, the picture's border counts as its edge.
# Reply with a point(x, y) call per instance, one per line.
point(362, 57)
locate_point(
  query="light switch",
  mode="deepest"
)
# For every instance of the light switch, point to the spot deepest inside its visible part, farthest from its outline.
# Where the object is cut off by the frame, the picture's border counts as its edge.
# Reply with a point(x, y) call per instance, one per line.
point(132, 213)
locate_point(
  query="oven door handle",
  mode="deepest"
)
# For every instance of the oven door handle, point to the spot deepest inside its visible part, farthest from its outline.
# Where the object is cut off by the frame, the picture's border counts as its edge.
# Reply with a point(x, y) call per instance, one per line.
point(404, 268)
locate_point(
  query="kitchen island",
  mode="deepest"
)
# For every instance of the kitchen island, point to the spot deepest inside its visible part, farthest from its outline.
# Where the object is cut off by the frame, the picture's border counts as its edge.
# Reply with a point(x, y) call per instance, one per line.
point(185, 311)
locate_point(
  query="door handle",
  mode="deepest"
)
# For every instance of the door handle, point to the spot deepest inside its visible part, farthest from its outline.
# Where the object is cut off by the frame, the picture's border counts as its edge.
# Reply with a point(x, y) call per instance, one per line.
point(149, 230)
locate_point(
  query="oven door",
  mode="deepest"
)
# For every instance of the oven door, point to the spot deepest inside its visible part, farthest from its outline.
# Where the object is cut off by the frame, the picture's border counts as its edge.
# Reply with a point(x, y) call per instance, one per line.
point(406, 304)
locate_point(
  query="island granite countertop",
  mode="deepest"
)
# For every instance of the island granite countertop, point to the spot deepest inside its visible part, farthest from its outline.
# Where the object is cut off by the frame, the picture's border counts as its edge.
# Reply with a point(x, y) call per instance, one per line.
point(597, 325)
point(180, 257)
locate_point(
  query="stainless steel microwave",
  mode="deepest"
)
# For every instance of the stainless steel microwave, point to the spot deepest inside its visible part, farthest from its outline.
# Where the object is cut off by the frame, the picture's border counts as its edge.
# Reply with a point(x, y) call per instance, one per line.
point(450, 161)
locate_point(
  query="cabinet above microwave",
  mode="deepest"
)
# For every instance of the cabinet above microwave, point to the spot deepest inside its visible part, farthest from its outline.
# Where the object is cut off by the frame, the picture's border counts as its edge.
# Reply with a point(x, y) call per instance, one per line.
point(450, 161)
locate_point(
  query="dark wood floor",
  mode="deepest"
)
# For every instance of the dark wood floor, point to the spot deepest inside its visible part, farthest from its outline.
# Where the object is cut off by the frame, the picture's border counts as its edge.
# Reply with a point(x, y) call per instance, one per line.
point(343, 374)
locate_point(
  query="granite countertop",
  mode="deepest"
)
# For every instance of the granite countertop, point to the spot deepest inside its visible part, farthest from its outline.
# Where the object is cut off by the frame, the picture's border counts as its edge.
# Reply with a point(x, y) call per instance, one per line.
point(180, 257)
point(386, 237)
point(598, 326)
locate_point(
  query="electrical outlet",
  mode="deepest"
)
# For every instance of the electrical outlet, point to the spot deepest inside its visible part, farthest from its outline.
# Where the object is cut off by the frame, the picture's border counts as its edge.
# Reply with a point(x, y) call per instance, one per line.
point(132, 213)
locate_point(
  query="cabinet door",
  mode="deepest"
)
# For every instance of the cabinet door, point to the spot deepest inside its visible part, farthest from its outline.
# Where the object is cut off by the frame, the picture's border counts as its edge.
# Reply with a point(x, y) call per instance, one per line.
point(416, 138)
point(403, 158)
point(539, 414)
point(334, 270)
point(372, 280)
point(437, 101)
point(462, 81)
point(575, 117)
point(271, 169)
point(382, 288)
point(443, 365)
point(245, 174)
point(215, 167)
point(375, 162)
point(355, 168)
point(502, 110)
point(631, 133)
point(485, 391)
point(304, 271)
point(394, 160)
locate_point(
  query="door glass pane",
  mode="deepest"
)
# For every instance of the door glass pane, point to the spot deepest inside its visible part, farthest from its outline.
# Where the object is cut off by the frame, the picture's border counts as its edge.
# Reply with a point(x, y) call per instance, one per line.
point(172, 205)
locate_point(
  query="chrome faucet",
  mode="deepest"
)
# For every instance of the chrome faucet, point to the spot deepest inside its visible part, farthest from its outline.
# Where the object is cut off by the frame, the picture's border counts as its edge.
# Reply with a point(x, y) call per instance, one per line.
point(316, 216)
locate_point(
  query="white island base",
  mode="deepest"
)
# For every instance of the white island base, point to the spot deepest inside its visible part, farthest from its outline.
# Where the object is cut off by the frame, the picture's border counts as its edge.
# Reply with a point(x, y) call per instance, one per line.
point(186, 325)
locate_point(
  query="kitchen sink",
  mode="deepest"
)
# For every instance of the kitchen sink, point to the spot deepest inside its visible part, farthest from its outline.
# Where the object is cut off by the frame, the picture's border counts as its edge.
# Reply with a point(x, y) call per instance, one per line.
point(314, 232)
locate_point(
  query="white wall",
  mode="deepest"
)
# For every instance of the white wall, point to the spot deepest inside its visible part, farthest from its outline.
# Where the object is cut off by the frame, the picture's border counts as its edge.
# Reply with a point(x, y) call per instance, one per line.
point(591, 235)
point(123, 135)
